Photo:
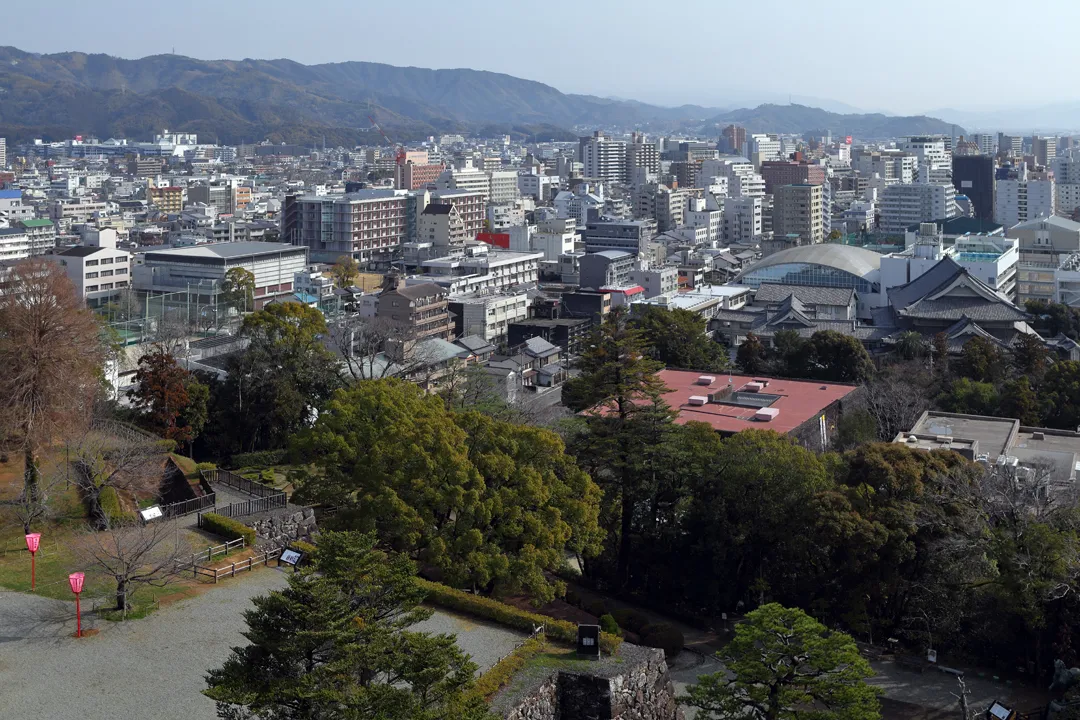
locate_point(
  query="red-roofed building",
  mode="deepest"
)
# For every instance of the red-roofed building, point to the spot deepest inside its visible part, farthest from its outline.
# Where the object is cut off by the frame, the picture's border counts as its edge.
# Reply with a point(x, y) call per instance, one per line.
point(623, 295)
point(806, 410)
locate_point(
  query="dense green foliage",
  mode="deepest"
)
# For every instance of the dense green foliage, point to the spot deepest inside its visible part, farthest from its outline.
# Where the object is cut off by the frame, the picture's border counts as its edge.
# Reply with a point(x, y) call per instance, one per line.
point(677, 339)
point(826, 355)
point(228, 528)
point(335, 643)
point(784, 665)
point(489, 504)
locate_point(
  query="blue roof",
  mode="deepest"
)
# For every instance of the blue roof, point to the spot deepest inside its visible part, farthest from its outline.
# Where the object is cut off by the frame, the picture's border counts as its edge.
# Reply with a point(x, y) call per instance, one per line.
point(305, 298)
point(10, 194)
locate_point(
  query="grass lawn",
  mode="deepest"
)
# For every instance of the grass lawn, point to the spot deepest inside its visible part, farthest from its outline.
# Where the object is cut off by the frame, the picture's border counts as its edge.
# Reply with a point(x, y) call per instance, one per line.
point(281, 476)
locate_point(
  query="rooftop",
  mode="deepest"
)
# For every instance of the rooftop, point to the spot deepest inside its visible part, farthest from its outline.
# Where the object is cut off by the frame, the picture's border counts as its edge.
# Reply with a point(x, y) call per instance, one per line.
point(797, 401)
point(855, 260)
point(226, 250)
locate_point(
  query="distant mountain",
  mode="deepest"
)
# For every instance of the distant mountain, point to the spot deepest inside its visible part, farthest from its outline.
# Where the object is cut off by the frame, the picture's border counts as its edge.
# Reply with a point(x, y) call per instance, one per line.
point(1058, 117)
point(802, 119)
point(66, 93)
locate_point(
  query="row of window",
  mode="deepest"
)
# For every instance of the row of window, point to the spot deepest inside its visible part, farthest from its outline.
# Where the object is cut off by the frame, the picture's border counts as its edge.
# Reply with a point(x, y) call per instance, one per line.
point(105, 286)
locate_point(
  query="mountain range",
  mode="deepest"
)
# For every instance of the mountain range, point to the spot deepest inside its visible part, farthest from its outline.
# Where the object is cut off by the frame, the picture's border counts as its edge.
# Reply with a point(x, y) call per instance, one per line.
point(59, 95)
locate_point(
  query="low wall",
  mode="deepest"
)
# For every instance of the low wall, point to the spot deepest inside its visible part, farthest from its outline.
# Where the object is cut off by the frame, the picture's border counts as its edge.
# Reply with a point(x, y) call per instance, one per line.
point(635, 686)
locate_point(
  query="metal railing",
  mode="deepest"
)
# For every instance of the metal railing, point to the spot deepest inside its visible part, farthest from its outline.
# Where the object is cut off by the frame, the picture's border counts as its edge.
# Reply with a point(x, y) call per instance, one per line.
point(186, 507)
point(236, 482)
point(249, 507)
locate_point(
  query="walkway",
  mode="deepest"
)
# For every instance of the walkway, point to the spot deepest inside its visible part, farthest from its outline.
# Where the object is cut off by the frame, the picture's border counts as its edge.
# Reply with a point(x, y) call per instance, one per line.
point(153, 667)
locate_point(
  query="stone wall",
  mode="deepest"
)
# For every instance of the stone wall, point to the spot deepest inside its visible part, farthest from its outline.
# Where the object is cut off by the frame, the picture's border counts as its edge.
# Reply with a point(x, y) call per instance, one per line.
point(284, 526)
point(634, 687)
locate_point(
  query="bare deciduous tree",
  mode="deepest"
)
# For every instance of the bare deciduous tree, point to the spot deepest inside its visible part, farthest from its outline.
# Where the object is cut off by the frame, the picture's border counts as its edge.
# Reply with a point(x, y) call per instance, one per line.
point(135, 555)
point(376, 348)
point(51, 354)
point(896, 398)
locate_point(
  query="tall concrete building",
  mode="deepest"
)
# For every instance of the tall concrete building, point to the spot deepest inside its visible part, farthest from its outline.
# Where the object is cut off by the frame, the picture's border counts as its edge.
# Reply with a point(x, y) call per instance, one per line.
point(641, 155)
point(987, 143)
point(368, 225)
point(789, 172)
point(603, 157)
point(732, 140)
point(1025, 198)
point(798, 210)
point(904, 205)
point(3, 153)
point(973, 175)
point(1044, 149)
point(1010, 145)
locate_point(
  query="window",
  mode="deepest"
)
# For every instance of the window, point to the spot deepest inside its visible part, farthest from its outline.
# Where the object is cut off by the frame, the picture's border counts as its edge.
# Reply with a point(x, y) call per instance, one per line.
point(106, 273)
point(91, 275)
point(106, 286)
point(91, 288)
point(106, 261)
point(91, 262)
point(121, 271)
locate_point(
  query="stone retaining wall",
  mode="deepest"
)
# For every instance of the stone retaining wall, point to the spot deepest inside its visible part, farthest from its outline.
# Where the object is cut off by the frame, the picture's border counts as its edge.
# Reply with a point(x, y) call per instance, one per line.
point(284, 526)
point(638, 688)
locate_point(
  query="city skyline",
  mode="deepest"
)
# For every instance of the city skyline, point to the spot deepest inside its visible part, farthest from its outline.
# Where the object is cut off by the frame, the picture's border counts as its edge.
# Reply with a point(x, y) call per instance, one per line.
point(769, 62)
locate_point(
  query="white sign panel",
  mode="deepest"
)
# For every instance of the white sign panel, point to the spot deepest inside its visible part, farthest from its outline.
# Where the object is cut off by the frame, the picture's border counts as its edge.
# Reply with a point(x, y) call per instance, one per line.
point(290, 557)
point(150, 513)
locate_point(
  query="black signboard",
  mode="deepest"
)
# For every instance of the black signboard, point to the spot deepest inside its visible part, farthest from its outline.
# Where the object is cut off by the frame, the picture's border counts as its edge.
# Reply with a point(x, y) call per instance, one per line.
point(588, 641)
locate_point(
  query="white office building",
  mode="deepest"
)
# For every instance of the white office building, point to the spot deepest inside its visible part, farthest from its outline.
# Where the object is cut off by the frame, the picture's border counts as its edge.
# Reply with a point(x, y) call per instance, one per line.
point(603, 157)
point(488, 314)
point(504, 187)
point(741, 221)
point(98, 270)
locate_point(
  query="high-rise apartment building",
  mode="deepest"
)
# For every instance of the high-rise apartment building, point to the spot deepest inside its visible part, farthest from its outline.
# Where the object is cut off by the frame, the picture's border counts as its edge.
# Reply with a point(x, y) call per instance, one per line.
point(798, 210)
point(762, 147)
point(788, 172)
point(471, 204)
point(368, 225)
point(1025, 198)
point(1044, 149)
point(603, 158)
point(904, 205)
point(641, 155)
point(973, 176)
point(987, 143)
point(741, 221)
point(1010, 145)
point(732, 139)
point(3, 153)
point(929, 149)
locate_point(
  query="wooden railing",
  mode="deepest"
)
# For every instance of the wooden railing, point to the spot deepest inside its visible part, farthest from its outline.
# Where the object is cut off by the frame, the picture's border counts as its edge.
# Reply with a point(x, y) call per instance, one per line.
point(261, 557)
point(210, 553)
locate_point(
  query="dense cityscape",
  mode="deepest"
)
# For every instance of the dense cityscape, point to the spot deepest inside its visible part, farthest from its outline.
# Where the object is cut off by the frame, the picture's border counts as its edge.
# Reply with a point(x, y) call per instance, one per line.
point(333, 392)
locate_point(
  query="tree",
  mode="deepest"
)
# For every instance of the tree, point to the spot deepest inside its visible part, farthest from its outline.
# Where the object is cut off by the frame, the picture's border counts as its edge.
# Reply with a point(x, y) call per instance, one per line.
point(981, 361)
point(970, 397)
point(161, 395)
point(677, 339)
point(276, 385)
point(335, 643)
point(1018, 400)
point(896, 397)
point(839, 358)
point(238, 289)
point(618, 385)
point(1029, 356)
point(751, 356)
point(52, 353)
point(345, 271)
point(911, 345)
point(784, 665)
point(1062, 393)
point(491, 504)
point(134, 554)
point(835, 235)
point(196, 414)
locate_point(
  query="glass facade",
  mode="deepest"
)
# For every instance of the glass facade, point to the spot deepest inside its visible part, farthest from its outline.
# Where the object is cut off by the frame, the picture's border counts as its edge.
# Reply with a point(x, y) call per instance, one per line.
point(807, 274)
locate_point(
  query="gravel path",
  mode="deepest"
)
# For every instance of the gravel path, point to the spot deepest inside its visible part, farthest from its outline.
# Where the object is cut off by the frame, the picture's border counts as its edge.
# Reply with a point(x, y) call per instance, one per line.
point(152, 667)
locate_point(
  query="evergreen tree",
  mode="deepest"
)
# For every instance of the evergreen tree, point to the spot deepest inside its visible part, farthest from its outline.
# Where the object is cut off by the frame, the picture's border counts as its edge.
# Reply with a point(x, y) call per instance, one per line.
point(751, 356)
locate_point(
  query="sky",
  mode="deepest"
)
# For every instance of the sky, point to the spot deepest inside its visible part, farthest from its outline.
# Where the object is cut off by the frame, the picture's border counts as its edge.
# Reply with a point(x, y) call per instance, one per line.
point(905, 56)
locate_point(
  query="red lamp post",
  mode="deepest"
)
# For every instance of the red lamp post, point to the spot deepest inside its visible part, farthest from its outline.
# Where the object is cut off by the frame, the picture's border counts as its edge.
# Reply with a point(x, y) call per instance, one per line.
point(33, 540)
point(76, 582)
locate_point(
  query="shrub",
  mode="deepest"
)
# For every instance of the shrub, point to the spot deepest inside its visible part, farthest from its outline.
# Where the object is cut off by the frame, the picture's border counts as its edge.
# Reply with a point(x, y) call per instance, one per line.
point(205, 466)
point(110, 505)
point(608, 625)
point(630, 619)
point(502, 672)
point(261, 458)
point(595, 607)
point(228, 528)
point(663, 636)
point(266, 477)
point(573, 598)
point(304, 547)
point(489, 609)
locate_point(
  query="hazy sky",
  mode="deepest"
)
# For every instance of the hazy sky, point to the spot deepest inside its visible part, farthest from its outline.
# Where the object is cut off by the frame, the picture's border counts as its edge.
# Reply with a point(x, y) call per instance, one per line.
point(902, 56)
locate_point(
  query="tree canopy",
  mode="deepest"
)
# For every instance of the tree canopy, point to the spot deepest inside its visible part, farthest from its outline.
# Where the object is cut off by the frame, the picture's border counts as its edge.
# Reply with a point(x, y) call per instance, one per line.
point(490, 504)
point(677, 339)
point(784, 665)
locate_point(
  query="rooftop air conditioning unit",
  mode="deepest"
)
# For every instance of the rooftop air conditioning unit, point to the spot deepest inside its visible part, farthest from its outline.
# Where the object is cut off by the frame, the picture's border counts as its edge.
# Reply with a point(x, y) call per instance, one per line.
point(753, 387)
point(698, 399)
point(766, 414)
point(1038, 436)
point(706, 380)
point(943, 438)
point(983, 458)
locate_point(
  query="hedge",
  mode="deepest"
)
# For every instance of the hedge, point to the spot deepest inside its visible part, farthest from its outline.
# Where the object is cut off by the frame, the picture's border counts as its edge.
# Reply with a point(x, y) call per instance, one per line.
point(663, 636)
point(608, 624)
point(630, 619)
point(501, 673)
point(109, 500)
point(257, 459)
point(503, 614)
point(228, 528)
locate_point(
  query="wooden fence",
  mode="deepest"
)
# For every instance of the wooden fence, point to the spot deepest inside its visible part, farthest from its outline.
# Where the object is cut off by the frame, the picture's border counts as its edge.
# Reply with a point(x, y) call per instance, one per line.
point(262, 557)
point(186, 507)
point(228, 479)
point(210, 553)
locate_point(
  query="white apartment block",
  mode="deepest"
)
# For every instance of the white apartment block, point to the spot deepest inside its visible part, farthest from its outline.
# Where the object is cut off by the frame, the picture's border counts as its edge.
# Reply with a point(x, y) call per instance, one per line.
point(1019, 201)
point(658, 281)
point(705, 212)
point(489, 314)
point(603, 157)
point(503, 216)
point(904, 205)
point(555, 237)
point(537, 186)
point(762, 147)
point(12, 208)
point(503, 187)
point(471, 180)
point(481, 268)
point(3, 153)
point(929, 150)
point(98, 270)
point(1066, 199)
point(741, 221)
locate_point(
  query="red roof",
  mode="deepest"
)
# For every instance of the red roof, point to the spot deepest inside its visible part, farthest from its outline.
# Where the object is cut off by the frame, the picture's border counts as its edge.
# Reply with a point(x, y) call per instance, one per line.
point(631, 290)
point(799, 401)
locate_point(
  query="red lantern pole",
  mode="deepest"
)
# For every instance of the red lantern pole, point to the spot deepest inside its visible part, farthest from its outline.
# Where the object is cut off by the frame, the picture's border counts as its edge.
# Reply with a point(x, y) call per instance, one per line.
point(76, 582)
point(33, 540)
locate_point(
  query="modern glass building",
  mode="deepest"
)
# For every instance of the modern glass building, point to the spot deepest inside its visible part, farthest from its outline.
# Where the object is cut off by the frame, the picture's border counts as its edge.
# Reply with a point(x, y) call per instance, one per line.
point(823, 265)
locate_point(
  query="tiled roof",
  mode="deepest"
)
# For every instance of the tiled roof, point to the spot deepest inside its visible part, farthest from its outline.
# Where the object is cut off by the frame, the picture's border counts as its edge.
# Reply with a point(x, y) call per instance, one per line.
point(808, 294)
